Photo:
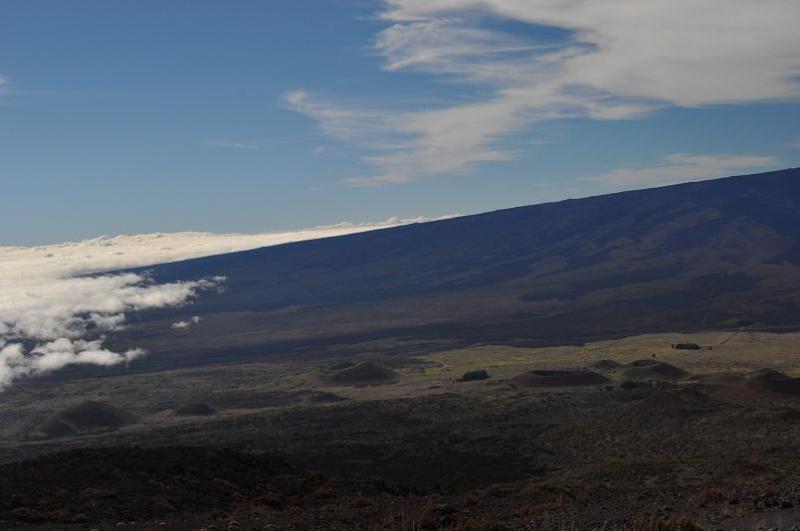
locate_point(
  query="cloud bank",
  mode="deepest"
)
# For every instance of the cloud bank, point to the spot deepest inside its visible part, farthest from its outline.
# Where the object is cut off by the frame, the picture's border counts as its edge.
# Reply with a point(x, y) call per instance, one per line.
point(612, 60)
point(56, 303)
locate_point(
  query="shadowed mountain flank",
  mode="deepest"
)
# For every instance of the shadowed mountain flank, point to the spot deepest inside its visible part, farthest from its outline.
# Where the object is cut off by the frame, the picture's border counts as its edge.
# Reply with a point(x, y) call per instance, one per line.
point(706, 255)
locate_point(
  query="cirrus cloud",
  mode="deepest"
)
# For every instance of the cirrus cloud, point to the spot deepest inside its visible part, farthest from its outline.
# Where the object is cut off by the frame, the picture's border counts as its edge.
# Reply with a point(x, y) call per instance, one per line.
point(615, 60)
point(681, 167)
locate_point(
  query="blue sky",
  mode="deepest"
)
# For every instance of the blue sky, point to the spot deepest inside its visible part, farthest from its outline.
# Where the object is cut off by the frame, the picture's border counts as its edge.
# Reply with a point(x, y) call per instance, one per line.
point(135, 117)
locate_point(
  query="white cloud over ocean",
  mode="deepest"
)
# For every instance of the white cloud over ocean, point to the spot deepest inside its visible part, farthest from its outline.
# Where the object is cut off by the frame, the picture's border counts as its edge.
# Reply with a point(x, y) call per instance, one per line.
point(57, 302)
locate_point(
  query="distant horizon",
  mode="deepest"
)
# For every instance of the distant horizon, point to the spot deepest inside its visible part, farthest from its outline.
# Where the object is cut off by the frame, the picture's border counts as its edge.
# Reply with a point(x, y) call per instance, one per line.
point(356, 226)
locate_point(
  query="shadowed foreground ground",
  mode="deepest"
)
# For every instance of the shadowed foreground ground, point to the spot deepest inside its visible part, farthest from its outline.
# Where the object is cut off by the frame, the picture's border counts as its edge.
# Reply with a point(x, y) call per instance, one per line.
point(623, 434)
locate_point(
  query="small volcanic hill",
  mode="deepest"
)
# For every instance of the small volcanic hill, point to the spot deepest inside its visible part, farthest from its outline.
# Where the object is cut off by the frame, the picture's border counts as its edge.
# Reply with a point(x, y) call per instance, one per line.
point(86, 417)
point(775, 381)
point(362, 374)
point(195, 410)
point(540, 378)
point(720, 378)
point(704, 255)
point(606, 365)
point(341, 366)
point(651, 369)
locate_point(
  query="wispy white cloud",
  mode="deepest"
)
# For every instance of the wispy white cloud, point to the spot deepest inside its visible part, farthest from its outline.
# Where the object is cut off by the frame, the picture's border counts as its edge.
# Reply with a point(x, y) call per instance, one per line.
point(619, 59)
point(5, 86)
point(232, 145)
point(337, 121)
point(408, 146)
point(682, 167)
point(56, 305)
point(183, 325)
point(449, 46)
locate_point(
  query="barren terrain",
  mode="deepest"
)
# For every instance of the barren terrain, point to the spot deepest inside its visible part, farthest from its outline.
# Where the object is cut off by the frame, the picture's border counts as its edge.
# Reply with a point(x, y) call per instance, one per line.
point(396, 442)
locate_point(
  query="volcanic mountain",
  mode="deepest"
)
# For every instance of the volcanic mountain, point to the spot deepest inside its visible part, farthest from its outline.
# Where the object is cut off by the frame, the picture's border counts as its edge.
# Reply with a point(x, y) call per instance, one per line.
point(706, 255)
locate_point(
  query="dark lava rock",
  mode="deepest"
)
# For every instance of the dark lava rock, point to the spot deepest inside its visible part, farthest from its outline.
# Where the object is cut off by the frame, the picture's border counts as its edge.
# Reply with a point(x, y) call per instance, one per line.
point(630, 384)
point(195, 410)
point(540, 378)
point(651, 369)
point(473, 376)
point(112, 484)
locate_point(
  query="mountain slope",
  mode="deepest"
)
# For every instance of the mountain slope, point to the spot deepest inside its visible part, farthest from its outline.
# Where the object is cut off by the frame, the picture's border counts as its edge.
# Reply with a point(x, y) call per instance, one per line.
point(722, 253)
